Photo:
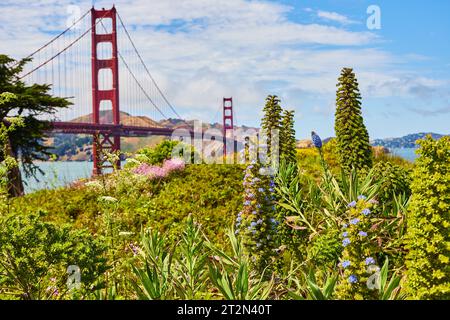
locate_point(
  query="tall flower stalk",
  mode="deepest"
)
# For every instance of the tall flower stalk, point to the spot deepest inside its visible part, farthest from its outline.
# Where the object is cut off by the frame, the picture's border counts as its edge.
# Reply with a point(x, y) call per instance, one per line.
point(256, 223)
point(358, 262)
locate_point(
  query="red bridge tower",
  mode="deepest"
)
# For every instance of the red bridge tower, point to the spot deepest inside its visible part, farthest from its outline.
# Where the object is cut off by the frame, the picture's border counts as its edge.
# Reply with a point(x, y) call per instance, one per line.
point(227, 124)
point(104, 140)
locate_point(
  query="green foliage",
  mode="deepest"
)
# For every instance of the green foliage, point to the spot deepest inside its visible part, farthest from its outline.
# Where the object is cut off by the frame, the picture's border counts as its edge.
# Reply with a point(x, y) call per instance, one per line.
point(181, 269)
point(172, 271)
point(233, 276)
point(35, 255)
point(212, 193)
point(391, 290)
point(271, 121)
point(191, 281)
point(352, 138)
point(157, 154)
point(325, 248)
point(288, 151)
point(395, 180)
point(9, 164)
point(288, 189)
point(154, 278)
point(428, 222)
point(30, 102)
point(289, 193)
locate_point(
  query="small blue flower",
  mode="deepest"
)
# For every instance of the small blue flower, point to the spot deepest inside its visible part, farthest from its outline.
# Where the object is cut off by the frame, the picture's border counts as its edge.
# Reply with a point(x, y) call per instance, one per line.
point(362, 234)
point(236, 232)
point(271, 190)
point(240, 214)
point(353, 279)
point(366, 212)
point(258, 245)
point(346, 242)
point(373, 201)
point(354, 221)
point(361, 197)
point(247, 203)
point(258, 205)
point(253, 224)
point(253, 231)
point(272, 183)
point(250, 167)
point(369, 261)
point(261, 190)
point(345, 234)
point(259, 221)
point(275, 222)
point(352, 204)
point(239, 218)
point(345, 226)
point(316, 140)
point(254, 212)
point(345, 264)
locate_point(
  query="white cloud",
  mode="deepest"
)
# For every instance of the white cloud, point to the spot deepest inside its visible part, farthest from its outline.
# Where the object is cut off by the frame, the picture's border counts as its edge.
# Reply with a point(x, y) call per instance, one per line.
point(334, 16)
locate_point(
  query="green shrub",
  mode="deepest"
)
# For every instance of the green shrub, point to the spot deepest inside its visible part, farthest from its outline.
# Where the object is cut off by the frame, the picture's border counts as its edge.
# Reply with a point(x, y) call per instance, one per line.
point(325, 248)
point(159, 153)
point(36, 254)
point(394, 180)
point(428, 222)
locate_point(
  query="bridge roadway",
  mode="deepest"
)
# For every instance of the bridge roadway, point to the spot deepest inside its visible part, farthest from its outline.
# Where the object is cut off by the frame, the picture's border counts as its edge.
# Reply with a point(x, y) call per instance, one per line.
point(112, 129)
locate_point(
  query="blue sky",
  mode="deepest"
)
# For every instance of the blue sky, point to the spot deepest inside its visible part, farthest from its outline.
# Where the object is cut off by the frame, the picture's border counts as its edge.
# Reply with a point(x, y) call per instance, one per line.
point(202, 50)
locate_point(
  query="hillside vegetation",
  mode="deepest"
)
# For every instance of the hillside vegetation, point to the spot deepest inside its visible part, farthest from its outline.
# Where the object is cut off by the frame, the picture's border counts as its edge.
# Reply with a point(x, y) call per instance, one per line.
point(334, 221)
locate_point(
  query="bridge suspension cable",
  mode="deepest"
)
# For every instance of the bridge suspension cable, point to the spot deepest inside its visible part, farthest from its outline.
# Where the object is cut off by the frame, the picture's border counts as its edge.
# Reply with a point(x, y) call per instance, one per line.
point(135, 78)
point(57, 37)
point(61, 51)
point(146, 69)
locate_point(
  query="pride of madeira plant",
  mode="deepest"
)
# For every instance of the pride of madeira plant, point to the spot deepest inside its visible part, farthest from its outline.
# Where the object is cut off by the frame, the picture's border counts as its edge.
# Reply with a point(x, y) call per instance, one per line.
point(271, 122)
point(288, 151)
point(256, 223)
point(358, 260)
point(352, 137)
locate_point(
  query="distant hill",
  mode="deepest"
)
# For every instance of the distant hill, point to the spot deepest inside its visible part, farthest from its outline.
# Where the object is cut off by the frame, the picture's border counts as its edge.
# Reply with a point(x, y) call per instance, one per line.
point(408, 141)
point(144, 121)
point(106, 116)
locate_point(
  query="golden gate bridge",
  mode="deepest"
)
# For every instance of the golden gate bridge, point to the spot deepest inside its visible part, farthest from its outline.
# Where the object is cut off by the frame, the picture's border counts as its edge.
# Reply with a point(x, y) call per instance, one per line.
point(82, 64)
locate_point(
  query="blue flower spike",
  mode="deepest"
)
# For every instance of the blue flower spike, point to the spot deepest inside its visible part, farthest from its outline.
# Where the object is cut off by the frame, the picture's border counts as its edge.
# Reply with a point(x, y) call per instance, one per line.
point(317, 142)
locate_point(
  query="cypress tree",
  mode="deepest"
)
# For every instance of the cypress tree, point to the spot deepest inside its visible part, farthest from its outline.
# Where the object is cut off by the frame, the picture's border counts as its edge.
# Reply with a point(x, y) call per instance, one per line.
point(271, 120)
point(352, 138)
point(288, 150)
point(30, 102)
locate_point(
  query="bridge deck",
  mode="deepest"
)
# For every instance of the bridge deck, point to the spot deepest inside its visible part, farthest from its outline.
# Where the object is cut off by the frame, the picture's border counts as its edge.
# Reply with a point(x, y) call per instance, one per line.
point(122, 130)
